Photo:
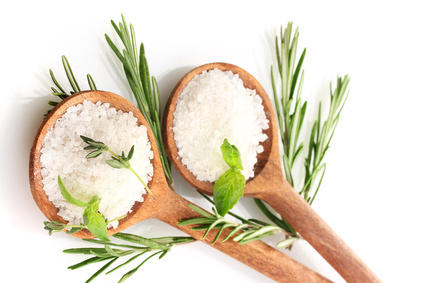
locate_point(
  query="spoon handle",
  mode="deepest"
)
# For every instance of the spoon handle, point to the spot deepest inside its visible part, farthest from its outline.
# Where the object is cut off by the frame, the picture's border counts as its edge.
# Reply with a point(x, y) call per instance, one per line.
point(299, 214)
point(257, 255)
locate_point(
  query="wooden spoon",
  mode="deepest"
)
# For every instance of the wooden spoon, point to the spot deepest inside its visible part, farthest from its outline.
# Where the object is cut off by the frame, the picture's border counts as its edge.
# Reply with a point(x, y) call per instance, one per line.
point(167, 206)
point(270, 185)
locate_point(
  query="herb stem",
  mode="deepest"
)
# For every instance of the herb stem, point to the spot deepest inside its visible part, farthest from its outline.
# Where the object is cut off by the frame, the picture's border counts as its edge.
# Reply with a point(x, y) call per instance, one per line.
point(128, 166)
point(141, 180)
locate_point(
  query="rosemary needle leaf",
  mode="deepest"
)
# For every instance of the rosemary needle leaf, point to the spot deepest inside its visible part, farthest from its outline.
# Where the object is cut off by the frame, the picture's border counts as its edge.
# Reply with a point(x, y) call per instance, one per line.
point(131, 272)
point(112, 244)
point(85, 251)
point(173, 240)
point(140, 240)
point(194, 221)
point(201, 211)
point(126, 262)
point(86, 262)
point(101, 270)
point(264, 230)
point(287, 242)
point(111, 251)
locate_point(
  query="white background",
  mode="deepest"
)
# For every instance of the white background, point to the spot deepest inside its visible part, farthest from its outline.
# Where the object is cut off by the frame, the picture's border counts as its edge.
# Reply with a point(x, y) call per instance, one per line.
point(373, 189)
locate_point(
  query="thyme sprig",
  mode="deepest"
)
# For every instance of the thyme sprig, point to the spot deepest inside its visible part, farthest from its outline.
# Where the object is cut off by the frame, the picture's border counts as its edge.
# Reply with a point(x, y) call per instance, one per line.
point(144, 88)
point(137, 247)
point(117, 161)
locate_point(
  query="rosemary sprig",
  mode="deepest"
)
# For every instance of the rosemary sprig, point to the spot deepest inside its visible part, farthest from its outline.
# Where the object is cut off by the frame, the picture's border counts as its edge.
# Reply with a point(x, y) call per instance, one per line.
point(290, 117)
point(246, 231)
point(137, 247)
point(321, 135)
point(291, 112)
point(117, 161)
point(145, 88)
point(59, 91)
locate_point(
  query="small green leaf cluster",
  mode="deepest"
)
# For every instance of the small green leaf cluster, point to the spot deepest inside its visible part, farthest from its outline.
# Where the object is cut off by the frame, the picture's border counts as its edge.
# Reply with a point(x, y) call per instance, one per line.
point(97, 147)
point(138, 247)
point(229, 187)
point(94, 221)
point(56, 226)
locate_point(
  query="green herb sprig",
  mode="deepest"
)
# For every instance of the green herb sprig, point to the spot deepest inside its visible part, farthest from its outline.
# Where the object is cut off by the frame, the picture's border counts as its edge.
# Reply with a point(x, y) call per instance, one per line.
point(229, 187)
point(145, 88)
point(321, 134)
point(291, 112)
point(245, 231)
point(117, 161)
point(94, 221)
point(59, 91)
point(290, 118)
point(138, 247)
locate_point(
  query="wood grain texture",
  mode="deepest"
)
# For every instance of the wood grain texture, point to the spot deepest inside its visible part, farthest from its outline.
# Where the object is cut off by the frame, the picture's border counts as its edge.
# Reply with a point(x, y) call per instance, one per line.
point(270, 185)
point(167, 205)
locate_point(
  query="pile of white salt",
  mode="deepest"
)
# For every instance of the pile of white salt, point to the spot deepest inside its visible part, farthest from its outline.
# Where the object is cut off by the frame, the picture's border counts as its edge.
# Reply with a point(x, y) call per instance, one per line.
point(63, 154)
point(215, 105)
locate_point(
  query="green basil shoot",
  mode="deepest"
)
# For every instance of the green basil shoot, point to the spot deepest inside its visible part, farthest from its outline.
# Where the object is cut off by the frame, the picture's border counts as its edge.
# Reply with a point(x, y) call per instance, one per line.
point(230, 186)
point(117, 161)
point(94, 221)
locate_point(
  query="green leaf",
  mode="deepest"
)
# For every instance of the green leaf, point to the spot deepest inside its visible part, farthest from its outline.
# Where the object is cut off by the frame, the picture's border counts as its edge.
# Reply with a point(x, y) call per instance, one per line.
point(130, 153)
point(227, 190)
point(231, 155)
point(201, 211)
point(74, 230)
point(115, 163)
point(287, 242)
point(140, 240)
point(101, 270)
point(94, 154)
point(67, 195)
point(94, 220)
point(96, 144)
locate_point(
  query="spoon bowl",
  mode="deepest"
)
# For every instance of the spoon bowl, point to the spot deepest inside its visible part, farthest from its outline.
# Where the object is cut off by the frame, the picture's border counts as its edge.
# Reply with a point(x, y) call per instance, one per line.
point(269, 183)
point(168, 134)
point(142, 210)
point(167, 206)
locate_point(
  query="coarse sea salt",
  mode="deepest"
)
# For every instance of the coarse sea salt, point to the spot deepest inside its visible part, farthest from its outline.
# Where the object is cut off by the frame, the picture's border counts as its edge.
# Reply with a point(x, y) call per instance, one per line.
point(63, 154)
point(213, 106)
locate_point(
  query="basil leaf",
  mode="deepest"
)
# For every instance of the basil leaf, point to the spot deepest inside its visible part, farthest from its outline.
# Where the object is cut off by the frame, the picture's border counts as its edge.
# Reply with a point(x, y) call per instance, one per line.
point(67, 195)
point(227, 190)
point(94, 220)
point(231, 155)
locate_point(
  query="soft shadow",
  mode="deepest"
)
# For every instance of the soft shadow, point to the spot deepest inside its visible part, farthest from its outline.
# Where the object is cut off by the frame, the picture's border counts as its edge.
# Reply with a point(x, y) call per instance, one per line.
point(168, 81)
